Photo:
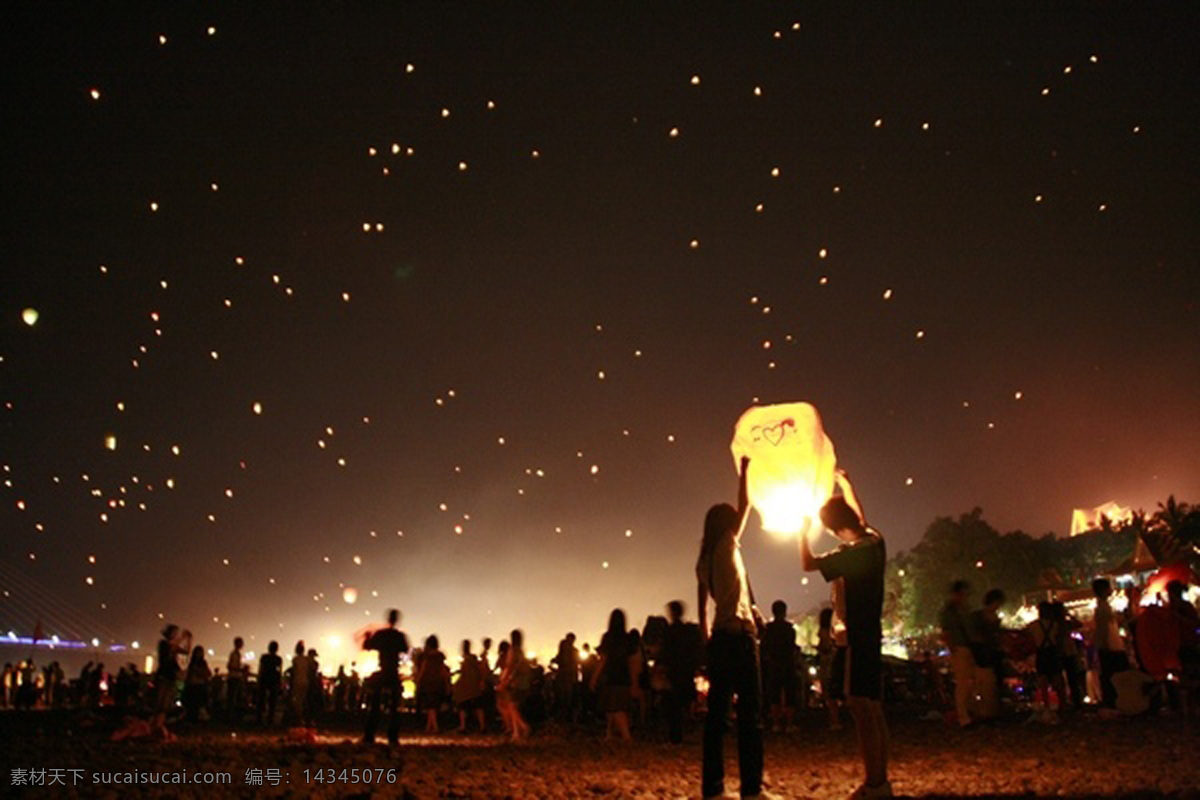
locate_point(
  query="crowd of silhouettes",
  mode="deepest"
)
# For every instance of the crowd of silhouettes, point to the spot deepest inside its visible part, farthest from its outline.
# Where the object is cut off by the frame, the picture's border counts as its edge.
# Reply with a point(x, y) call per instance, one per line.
point(672, 676)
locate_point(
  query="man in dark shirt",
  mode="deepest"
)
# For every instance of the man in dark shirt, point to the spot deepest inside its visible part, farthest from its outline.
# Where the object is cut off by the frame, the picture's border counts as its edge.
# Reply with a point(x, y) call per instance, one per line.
point(860, 562)
point(270, 672)
point(779, 667)
point(682, 653)
point(389, 643)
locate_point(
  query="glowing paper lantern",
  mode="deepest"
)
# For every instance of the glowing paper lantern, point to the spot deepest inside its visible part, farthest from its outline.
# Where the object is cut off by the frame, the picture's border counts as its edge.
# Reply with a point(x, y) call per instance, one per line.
point(792, 463)
point(350, 595)
point(30, 316)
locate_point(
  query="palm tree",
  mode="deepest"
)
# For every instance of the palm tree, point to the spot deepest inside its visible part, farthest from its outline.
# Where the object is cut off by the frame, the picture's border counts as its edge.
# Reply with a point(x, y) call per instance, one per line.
point(1173, 533)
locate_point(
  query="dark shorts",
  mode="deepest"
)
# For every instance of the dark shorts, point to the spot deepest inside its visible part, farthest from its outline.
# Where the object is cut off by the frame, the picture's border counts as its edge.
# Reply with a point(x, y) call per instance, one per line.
point(865, 664)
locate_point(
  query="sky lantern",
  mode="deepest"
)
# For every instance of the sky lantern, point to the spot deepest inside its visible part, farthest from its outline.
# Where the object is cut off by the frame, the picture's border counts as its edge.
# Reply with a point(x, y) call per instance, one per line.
point(350, 595)
point(30, 316)
point(792, 463)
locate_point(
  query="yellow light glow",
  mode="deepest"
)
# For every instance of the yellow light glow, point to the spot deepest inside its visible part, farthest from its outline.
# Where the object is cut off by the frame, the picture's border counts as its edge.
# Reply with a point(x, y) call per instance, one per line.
point(30, 316)
point(792, 463)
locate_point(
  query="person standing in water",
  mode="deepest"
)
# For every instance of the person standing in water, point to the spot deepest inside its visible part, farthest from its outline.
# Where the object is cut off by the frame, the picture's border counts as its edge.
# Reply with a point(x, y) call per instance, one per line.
point(733, 665)
point(859, 562)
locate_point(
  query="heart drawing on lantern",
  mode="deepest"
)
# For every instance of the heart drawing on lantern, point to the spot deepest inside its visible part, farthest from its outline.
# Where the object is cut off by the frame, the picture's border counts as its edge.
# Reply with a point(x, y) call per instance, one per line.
point(775, 433)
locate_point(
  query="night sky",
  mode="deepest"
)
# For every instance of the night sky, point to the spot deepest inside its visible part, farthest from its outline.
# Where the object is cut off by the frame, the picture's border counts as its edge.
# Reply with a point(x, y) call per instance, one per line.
point(532, 261)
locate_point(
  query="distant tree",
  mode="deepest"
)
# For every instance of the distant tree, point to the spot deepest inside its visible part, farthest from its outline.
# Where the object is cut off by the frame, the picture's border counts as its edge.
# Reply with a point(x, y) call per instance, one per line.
point(970, 549)
point(1173, 532)
point(1078, 559)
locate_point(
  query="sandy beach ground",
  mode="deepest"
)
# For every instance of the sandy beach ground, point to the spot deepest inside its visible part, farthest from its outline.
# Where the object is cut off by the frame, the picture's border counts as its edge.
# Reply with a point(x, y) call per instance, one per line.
point(1081, 756)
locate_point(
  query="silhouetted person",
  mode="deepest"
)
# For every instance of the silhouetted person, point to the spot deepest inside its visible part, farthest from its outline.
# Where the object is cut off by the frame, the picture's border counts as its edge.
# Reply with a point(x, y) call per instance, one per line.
point(779, 667)
point(195, 685)
point(639, 675)
point(681, 655)
point(1048, 639)
point(353, 685)
point(301, 677)
point(612, 677)
point(235, 682)
point(340, 684)
point(733, 664)
point(468, 689)
point(1188, 619)
point(831, 668)
point(389, 643)
point(988, 651)
point(566, 678)
point(270, 677)
point(95, 689)
point(859, 562)
point(431, 679)
point(516, 680)
point(956, 635)
point(316, 688)
point(174, 643)
point(1110, 648)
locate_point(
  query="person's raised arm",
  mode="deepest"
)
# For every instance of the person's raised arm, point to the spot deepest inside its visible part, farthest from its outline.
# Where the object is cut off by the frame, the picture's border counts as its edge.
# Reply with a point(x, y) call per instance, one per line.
point(743, 508)
point(843, 480)
point(807, 560)
point(743, 493)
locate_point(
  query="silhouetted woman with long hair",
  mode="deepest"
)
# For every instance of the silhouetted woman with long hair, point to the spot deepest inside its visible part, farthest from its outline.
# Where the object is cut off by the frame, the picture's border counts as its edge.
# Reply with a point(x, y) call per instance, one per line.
point(612, 677)
point(733, 665)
